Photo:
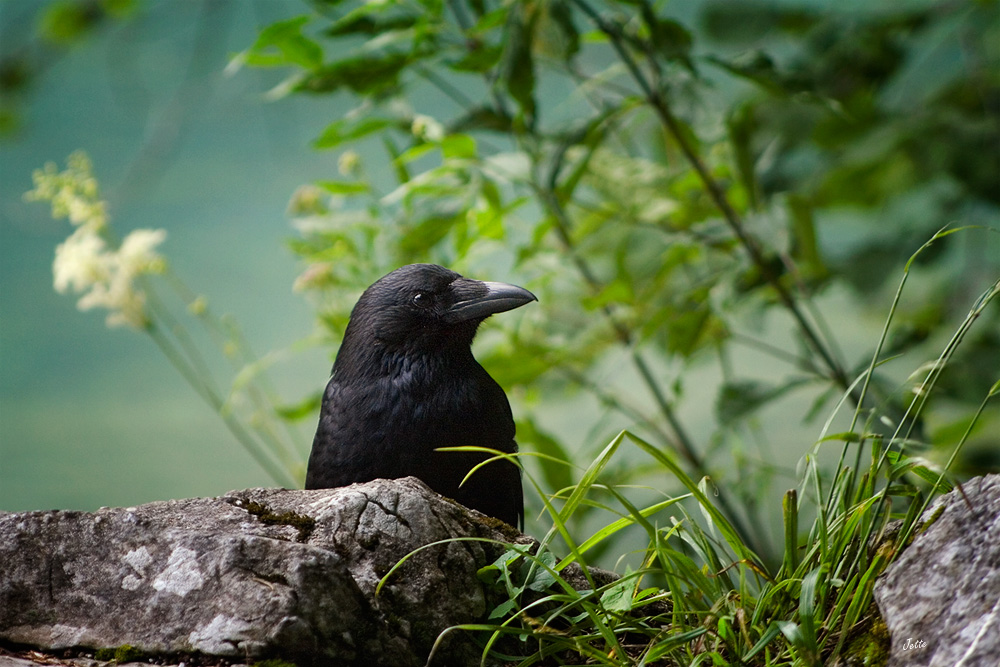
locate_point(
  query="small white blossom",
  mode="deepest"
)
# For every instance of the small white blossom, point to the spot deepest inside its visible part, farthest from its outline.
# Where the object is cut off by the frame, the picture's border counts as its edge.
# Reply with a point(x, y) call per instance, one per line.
point(349, 163)
point(426, 128)
point(136, 254)
point(307, 200)
point(121, 295)
point(85, 262)
point(126, 304)
point(107, 277)
point(82, 261)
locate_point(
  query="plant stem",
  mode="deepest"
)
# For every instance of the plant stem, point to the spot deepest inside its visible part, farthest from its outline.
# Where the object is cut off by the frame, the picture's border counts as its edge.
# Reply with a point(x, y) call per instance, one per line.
point(715, 191)
point(682, 442)
point(255, 449)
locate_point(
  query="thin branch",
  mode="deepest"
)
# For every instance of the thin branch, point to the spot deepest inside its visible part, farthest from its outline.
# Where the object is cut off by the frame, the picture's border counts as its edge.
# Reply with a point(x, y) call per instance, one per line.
point(256, 450)
point(715, 191)
point(682, 442)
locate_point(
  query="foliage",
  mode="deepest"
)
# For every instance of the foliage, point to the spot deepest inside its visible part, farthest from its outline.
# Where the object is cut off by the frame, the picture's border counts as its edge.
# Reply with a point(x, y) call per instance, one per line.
point(672, 199)
point(701, 594)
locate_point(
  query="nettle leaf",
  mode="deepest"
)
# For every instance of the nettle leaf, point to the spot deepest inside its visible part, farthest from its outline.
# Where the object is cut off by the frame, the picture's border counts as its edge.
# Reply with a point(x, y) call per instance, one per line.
point(287, 39)
point(616, 292)
point(560, 35)
point(751, 20)
point(351, 129)
point(503, 609)
point(478, 57)
point(363, 21)
point(431, 230)
point(618, 597)
point(366, 75)
point(307, 407)
point(538, 576)
point(669, 37)
point(460, 146)
point(690, 325)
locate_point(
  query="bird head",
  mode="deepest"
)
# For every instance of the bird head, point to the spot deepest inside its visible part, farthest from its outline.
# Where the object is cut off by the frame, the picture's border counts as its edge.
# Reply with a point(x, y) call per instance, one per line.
point(425, 306)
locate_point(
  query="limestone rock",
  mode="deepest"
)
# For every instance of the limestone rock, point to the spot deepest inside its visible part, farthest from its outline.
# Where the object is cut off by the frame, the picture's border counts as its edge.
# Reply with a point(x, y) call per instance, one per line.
point(253, 574)
point(941, 597)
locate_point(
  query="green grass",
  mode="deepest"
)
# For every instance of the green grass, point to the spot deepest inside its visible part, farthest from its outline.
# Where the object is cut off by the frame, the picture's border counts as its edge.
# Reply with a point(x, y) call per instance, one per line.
point(701, 595)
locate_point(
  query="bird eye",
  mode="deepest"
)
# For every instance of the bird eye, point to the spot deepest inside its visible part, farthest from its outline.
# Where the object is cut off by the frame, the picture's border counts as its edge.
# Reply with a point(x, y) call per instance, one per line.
point(421, 299)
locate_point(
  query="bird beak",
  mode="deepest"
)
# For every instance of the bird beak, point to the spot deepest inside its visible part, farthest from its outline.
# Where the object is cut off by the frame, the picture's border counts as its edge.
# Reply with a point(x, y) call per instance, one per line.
point(478, 300)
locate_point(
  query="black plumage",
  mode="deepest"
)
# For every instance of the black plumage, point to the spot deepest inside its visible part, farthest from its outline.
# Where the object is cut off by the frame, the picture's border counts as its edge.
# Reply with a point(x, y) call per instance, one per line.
point(405, 383)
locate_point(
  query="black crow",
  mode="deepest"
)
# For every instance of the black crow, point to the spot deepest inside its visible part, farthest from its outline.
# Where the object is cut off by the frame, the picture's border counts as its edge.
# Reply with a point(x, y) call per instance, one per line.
point(405, 383)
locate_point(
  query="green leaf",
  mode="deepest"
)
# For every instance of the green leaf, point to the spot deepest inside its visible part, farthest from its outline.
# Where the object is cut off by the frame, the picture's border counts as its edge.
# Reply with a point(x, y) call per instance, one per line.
point(742, 124)
point(365, 21)
point(671, 642)
point(757, 67)
point(350, 129)
point(307, 407)
point(518, 67)
point(365, 75)
point(458, 146)
point(65, 21)
point(808, 607)
point(344, 187)
point(619, 596)
point(616, 292)
point(902, 464)
point(772, 631)
point(503, 609)
point(478, 57)
point(294, 47)
point(669, 37)
point(539, 575)
point(845, 436)
point(429, 231)
point(750, 20)
point(560, 16)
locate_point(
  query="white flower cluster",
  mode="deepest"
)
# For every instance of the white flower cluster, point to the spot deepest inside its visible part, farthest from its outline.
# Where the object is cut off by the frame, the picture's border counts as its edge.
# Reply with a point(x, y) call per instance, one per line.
point(427, 128)
point(86, 262)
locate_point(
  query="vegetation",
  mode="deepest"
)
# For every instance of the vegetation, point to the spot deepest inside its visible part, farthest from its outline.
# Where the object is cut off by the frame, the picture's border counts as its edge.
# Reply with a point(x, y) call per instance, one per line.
point(665, 195)
point(684, 194)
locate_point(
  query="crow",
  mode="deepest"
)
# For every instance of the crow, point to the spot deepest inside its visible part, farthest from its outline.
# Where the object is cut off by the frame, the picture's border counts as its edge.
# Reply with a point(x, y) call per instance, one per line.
point(405, 383)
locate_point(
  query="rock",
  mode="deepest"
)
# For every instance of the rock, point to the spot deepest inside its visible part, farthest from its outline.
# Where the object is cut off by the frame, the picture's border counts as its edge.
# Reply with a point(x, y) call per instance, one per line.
point(254, 574)
point(941, 597)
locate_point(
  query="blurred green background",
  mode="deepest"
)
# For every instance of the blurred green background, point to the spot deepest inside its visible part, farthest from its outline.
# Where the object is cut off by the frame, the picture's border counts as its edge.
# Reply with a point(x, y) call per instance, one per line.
point(91, 416)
